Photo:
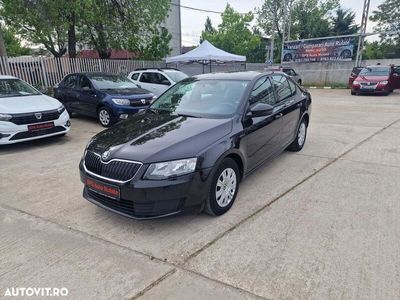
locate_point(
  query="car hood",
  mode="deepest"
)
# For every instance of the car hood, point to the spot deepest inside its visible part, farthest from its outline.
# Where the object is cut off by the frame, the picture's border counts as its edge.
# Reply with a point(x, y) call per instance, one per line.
point(27, 104)
point(149, 137)
point(371, 78)
point(130, 93)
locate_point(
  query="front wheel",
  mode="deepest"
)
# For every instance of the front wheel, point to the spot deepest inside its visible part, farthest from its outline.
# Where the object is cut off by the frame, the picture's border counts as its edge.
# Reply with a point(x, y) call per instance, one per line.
point(105, 117)
point(224, 188)
point(300, 139)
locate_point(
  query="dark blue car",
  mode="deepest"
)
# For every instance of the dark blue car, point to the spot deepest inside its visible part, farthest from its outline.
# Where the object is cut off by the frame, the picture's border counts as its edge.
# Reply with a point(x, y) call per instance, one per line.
point(105, 96)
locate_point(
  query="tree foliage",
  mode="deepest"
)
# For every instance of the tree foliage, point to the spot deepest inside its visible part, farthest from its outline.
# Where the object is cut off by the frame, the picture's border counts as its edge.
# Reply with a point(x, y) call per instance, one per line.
point(387, 17)
point(234, 34)
point(102, 24)
point(13, 43)
point(308, 18)
point(343, 22)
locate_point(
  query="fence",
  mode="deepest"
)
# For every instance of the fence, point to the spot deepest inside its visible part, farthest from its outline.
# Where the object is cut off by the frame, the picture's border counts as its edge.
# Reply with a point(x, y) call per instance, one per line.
point(48, 71)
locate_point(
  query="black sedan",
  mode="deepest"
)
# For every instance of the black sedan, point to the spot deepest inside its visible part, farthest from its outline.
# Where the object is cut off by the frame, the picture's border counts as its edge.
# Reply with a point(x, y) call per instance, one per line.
point(193, 146)
point(104, 96)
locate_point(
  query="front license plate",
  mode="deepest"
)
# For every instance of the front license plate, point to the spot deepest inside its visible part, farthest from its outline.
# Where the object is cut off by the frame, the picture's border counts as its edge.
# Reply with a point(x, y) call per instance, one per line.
point(368, 88)
point(104, 189)
point(37, 127)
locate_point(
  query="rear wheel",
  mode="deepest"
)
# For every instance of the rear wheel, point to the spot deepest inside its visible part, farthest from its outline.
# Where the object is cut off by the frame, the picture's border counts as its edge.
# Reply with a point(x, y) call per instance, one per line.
point(105, 116)
point(353, 93)
point(300, 139)
point(224, 188)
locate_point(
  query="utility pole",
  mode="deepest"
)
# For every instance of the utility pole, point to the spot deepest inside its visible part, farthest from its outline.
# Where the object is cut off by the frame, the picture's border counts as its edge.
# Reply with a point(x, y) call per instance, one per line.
point(3, 51)
point(363, 31)
point(283, 26)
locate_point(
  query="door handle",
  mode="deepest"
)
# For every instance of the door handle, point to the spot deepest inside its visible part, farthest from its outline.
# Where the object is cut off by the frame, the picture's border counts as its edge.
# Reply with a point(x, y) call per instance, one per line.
point(278, 116)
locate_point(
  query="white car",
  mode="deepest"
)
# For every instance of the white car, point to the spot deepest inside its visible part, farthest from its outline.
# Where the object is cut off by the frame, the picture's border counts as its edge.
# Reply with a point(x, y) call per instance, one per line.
point(156, 81)
point(26, 114)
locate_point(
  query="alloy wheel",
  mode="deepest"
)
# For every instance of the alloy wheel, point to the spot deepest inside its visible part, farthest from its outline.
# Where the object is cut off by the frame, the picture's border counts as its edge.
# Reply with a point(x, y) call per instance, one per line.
point(104, 117)
point(301, 137)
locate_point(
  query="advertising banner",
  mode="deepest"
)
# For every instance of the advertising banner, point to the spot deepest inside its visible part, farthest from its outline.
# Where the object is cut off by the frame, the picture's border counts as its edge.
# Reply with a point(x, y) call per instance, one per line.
point(319, 50)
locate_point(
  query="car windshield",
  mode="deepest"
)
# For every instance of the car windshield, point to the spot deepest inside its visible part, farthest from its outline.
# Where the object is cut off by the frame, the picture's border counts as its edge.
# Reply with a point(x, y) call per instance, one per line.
point(375, 72)
point(176, 76)
point(112, 82)
point(16, 88)
point(202, 98)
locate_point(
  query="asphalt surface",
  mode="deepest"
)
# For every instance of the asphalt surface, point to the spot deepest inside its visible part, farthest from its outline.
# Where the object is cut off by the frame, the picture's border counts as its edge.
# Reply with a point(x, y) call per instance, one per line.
point(319, 224)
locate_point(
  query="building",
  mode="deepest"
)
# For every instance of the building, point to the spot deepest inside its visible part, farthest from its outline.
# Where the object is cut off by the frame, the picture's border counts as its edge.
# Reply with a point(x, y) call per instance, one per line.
point(173, 24)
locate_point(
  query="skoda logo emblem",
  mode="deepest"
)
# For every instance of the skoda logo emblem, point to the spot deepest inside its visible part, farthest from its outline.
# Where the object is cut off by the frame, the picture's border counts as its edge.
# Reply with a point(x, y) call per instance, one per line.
point(105, 155)
point(143, 101)
point(38, 116)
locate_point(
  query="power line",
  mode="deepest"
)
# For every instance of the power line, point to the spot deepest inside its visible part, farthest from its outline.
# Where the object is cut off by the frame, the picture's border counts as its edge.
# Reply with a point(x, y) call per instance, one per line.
point(204, 10)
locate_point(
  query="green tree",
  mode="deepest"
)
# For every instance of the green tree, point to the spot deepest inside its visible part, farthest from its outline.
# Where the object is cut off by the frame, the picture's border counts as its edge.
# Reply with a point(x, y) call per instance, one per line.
point(39, 22)
point(343, 22)
point(307, 18)
point(158, 48)
point(13, 43)
point(310, 18)
point(123, 24)
point(234, 34)
point(387, 17)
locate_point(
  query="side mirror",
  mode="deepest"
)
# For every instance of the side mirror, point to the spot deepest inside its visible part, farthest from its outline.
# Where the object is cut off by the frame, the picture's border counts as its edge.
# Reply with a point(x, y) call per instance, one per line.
point(260, 110)
point(165, 82)
point(139, 86)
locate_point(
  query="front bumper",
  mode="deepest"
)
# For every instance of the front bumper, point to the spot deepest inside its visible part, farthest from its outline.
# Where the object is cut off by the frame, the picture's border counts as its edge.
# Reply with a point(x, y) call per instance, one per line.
point(147, 199)
point(11, 133)
point(375, 90)
point(121, 111)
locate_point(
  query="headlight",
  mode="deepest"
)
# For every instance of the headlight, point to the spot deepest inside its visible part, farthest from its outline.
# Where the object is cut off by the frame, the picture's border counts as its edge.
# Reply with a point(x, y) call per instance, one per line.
point(121, 101)
point(167, 169)
point(61, 109)
point(385, 82)
point(355, 82)
point(5, 117)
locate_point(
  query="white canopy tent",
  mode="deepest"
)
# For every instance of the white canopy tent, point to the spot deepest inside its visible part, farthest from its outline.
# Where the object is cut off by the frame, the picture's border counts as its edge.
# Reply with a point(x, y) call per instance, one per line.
point(206, 53)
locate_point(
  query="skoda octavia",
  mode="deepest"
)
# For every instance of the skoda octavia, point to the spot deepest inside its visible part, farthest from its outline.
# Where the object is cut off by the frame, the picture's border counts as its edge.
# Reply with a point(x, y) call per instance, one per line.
point(194, 145)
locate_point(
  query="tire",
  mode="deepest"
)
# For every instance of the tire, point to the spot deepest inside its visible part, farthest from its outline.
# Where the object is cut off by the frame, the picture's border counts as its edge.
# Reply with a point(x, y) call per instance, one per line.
point(353, 93)
point(300, 139)
point(224, 188)
point(105, 116)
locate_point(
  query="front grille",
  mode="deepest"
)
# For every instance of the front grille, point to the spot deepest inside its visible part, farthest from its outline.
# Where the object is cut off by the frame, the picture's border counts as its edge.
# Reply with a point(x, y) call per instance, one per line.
point(128, 207)
point(115, 169)
point(138, 209)
point(27, 134)
point(140, 103)
point(30, 118)
point(369, 83)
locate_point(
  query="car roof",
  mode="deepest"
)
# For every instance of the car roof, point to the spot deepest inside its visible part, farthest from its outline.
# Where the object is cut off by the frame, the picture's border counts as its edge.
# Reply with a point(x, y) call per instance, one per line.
point(92, 73)
point(377, 67)
point(7, 77)
point(248, 75)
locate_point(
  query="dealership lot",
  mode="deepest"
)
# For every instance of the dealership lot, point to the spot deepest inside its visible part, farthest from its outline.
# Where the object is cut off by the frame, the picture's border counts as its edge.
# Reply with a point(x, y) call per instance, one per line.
point(319, 224)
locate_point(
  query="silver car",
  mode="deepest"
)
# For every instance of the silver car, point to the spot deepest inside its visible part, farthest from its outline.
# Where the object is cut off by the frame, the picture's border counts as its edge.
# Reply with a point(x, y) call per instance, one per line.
point(289, 71)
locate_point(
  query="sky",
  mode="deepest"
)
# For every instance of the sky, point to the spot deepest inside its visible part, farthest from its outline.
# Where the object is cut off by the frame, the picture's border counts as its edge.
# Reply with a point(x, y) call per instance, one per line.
point(193, 21)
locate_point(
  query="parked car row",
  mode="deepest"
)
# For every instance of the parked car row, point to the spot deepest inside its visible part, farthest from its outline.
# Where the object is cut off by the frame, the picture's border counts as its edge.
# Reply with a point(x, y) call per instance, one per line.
point(27, 114)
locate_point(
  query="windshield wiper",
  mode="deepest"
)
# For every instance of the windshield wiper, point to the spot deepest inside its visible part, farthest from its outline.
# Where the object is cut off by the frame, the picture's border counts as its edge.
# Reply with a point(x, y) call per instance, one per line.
point(186, 115)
